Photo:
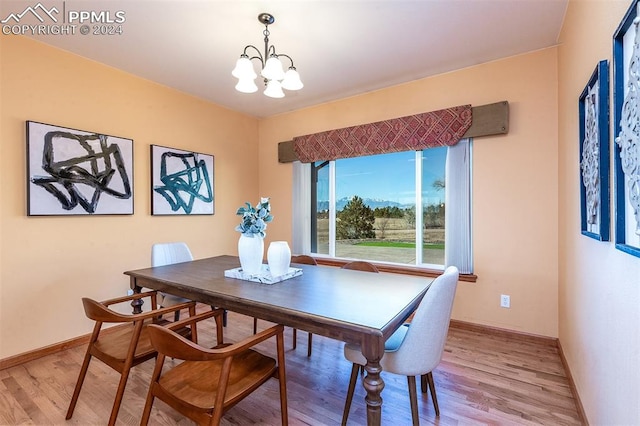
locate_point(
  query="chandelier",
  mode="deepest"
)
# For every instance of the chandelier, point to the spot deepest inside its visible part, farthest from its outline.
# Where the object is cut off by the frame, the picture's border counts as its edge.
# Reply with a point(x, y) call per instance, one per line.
point(275, 78)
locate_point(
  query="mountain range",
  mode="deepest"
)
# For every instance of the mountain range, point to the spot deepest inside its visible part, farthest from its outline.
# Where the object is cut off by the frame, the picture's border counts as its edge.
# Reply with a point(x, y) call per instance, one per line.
point(370, 202)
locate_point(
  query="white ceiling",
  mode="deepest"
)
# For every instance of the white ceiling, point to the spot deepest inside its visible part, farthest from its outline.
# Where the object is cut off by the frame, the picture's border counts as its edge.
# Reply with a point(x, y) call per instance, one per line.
point(341, 48)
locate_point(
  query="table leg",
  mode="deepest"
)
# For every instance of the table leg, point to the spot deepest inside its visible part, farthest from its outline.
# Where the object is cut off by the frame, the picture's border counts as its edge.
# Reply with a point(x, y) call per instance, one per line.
point(137, 303)
point(373, 382)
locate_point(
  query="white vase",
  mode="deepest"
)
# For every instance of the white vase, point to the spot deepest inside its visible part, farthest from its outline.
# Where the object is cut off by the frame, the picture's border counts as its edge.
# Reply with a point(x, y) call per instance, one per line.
point(279, 258)
point(251, 252)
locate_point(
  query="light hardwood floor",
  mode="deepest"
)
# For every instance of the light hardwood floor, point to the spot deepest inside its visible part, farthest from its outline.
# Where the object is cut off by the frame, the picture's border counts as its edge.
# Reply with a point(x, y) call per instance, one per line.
point(482, 379)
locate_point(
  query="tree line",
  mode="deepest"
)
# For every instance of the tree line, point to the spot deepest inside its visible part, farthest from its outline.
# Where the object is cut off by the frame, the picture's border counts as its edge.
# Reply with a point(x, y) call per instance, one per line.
point(356, 220)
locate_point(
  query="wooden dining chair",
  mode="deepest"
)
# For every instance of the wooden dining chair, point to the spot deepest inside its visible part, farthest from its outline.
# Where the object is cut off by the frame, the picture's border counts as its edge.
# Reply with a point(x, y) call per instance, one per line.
point(211, 381)
point(305, 260)
point(415, 349)
point(127, 345)
point(361, 265)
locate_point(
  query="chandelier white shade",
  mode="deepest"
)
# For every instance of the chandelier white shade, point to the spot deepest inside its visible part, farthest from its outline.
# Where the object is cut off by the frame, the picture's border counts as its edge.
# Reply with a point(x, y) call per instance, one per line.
point(274, 89)
point(246, 85)
point(272, 70)
point(292, 80)
point(244, 68)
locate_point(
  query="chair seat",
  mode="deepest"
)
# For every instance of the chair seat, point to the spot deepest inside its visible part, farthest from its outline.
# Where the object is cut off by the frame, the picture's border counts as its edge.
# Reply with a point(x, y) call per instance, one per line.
point(353, 353)
point(170, 300)
point(114, 345)
point(393, 343)
point(196, 381)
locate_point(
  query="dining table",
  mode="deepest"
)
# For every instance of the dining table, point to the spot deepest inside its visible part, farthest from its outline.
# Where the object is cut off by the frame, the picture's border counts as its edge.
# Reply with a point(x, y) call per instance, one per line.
point(348, 305)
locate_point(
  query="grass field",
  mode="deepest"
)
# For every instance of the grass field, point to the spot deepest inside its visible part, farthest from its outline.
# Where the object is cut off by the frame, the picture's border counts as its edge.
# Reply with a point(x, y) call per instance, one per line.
point(397, 244)
point(394, 242)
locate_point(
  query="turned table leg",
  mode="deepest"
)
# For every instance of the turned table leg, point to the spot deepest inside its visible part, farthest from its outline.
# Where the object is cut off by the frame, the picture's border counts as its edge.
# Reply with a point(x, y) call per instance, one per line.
point(137, 303)
point(373, 350)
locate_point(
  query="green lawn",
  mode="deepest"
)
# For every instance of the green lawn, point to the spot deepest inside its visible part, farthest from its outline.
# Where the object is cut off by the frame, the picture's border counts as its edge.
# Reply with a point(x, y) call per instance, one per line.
point(398, 244)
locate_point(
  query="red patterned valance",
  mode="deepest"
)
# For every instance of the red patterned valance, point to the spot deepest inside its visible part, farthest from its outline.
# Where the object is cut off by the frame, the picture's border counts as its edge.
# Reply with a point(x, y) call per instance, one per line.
point(411, 133)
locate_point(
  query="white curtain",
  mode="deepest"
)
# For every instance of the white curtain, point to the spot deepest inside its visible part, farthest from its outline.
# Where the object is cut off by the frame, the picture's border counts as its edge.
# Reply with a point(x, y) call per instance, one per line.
point(458, 244)
point(301, 197)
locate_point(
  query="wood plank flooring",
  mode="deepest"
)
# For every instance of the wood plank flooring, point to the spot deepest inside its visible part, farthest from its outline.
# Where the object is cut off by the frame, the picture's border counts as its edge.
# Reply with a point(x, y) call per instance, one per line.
point(482, 380)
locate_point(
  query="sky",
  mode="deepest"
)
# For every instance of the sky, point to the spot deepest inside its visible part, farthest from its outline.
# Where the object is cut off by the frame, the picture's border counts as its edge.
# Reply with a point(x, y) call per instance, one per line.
point(389, 177)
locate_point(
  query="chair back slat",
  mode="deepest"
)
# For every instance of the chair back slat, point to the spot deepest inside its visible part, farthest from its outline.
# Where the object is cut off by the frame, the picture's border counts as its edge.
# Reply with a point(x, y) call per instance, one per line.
point(98, 312)
point(303, 259)
point(175, 346)
point(361, 265)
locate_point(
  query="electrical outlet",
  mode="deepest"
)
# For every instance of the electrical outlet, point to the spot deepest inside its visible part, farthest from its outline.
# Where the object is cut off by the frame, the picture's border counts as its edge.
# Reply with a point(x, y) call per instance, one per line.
point(505, 301)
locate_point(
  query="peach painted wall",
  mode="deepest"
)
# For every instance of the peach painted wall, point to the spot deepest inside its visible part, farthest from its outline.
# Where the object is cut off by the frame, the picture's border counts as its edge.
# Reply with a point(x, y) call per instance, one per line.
point(515, 196)
point(48, 263)
point(599, 286)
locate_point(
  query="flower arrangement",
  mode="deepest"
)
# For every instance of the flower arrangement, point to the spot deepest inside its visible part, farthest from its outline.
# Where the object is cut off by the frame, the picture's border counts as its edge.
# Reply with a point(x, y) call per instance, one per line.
point(255, 219)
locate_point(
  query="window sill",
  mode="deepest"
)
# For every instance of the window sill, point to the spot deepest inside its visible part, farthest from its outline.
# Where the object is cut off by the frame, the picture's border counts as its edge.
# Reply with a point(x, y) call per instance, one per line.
point(395, 269)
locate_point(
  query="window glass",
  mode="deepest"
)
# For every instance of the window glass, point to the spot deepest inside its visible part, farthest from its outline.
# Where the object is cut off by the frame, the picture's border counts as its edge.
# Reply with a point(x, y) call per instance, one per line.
point(320, 208)
point(433, 205)
point(374, 203)
point(373, 196)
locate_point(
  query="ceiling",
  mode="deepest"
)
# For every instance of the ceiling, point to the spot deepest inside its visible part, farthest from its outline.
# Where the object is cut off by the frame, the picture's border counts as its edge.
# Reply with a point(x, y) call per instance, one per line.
point(341, 48)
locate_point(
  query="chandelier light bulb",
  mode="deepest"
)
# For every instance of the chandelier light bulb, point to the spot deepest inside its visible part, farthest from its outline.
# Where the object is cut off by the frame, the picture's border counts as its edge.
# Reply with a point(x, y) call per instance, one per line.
point(274, 89)
point(292, 80)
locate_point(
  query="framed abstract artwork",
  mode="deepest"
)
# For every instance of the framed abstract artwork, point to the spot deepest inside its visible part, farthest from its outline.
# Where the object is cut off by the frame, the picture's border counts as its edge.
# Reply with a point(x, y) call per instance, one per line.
point(593, 108)
point(181, 182)
point(626, 81)
point(77, 172)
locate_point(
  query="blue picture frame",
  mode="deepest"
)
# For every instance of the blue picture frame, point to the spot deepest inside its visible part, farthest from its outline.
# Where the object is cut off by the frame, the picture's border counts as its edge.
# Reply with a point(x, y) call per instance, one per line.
point(593, 107)
point(623, 48)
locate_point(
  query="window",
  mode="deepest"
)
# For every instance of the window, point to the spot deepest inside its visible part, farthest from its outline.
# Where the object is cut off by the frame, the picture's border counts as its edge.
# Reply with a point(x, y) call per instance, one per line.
point(365, 208)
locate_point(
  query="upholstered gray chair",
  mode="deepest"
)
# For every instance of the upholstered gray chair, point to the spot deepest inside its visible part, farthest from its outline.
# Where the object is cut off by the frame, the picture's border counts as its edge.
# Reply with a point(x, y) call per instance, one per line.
point(416, 348)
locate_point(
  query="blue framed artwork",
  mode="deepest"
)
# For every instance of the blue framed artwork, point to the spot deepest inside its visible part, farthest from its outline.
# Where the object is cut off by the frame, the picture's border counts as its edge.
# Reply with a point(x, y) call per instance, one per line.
point(76, 172)
point(626, 81)
point(593, 107)
point(182, 182)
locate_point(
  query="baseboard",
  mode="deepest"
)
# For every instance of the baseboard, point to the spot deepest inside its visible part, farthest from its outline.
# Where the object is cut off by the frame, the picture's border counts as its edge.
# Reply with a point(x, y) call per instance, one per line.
point(534, 338)
point(495, 331)
point(572, 385)
point(12, 361)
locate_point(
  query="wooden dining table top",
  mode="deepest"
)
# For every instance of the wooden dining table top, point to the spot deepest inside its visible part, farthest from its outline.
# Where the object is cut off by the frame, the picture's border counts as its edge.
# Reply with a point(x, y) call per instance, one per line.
point(359, 307)
point(334, 302)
